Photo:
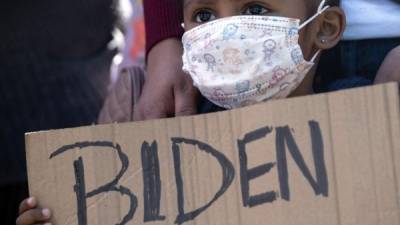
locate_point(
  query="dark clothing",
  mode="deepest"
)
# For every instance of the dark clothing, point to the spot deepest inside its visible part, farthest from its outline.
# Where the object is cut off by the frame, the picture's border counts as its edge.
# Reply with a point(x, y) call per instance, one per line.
point(59, 30)
point(350, 82)
point(40, 93)
point(54, 70)
point(353, 59)
point(11, 196)
point(163, 20)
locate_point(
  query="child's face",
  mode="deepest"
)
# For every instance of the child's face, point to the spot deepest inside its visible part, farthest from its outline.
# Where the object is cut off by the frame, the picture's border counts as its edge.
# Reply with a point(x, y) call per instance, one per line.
point(322, 31)
point(197, 12)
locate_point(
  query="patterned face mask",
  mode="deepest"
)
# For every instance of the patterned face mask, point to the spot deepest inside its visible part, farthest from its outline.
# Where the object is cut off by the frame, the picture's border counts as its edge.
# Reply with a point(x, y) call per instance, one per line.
point(242, 60)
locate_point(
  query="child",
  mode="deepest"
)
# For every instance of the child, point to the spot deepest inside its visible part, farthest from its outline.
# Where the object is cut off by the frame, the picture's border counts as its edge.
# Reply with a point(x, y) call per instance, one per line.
point(322, 33)
point(265, 53)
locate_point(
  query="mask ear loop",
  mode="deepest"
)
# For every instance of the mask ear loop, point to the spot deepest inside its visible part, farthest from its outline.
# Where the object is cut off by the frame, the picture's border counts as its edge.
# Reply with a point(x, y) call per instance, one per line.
point(321, 9)
point(183, 25)
point(315, 56)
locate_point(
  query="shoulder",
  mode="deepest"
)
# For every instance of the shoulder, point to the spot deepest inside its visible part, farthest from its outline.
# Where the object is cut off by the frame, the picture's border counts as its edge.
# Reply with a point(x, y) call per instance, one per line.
point(118, 106)
point(390, 69)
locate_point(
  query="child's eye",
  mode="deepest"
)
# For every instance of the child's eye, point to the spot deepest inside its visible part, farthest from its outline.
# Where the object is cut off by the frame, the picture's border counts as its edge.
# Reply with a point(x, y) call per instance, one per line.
point(255, 9)
point(204, 16)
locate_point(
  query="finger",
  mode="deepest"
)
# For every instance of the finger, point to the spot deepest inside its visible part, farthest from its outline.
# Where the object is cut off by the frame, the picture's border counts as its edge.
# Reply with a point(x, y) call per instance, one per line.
point(34, 216)
point(186, 97)
point(27, 204)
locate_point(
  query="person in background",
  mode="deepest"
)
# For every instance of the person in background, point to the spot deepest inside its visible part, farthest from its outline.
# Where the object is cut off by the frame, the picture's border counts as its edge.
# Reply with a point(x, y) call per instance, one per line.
point(54, 71)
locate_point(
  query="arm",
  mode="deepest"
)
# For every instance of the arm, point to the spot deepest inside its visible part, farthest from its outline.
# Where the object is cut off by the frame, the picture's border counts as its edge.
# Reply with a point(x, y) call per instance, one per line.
point(168, 91)
point(390, 69)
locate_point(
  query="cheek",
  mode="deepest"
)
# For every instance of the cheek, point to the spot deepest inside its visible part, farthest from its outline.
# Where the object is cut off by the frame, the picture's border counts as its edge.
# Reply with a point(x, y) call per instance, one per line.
point(306, 42)
point(187, 24)
point(190, 25)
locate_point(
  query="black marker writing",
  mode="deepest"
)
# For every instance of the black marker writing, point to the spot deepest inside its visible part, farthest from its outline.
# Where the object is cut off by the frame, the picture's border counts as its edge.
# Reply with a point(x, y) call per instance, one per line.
point(228, 174)
point(248, 174)
point(285, 138)
point(151, 182)
point(112, 186)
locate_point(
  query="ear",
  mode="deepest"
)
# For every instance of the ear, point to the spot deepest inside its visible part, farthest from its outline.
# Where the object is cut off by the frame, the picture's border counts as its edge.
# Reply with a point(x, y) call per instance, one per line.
point(331, 27)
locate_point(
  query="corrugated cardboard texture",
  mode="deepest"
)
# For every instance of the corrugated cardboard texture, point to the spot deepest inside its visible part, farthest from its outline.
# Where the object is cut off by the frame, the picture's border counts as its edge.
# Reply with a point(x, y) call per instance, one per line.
point(325, 159)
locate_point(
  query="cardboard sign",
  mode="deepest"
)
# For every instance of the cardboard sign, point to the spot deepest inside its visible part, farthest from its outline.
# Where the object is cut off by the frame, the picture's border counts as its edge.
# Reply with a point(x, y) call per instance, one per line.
point(324, 159)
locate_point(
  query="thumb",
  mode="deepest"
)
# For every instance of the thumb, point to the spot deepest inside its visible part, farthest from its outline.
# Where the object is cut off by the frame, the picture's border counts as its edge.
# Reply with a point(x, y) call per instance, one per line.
point(154, 105)
point(186, 97)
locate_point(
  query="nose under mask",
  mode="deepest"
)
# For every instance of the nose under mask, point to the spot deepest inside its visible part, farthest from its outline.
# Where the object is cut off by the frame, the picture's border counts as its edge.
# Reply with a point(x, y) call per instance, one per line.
point(242, 60)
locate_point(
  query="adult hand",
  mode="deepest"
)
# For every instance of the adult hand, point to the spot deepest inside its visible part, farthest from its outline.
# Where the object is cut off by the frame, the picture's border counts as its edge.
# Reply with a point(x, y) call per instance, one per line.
point(167, 91)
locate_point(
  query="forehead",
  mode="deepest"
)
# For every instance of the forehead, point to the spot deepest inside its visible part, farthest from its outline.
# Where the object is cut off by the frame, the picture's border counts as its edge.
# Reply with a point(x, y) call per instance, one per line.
point(215, 1)
point(299, 9)
point(188, 2)
point(210, 2)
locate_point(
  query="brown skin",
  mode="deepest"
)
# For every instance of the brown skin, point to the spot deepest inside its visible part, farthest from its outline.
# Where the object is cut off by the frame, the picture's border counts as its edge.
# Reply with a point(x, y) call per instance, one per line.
point(169, 91)
point(390, 69)
point(329, 26)
point(31, 214)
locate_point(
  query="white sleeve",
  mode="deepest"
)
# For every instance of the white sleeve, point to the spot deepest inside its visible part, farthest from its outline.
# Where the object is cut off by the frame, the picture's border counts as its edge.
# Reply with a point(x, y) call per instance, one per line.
point(369, 19)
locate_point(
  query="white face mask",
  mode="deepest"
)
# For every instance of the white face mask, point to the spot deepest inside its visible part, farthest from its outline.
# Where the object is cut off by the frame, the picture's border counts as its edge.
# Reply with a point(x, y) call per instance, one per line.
point(241, 60)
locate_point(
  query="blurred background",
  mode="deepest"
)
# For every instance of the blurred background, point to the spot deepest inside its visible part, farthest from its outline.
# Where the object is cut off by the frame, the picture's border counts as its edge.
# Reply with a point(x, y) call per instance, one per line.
point(56, 62)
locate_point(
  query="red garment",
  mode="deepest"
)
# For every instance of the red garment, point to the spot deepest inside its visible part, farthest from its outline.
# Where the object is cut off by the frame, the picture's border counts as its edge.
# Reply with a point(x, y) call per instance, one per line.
point(163, 20)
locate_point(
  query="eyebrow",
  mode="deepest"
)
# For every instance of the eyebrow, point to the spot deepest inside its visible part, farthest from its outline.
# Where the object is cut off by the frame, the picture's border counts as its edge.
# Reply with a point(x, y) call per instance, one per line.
point(186, 3)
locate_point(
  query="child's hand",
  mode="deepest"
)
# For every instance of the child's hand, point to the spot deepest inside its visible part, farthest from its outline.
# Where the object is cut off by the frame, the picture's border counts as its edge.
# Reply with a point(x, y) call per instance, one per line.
point(29, 214)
